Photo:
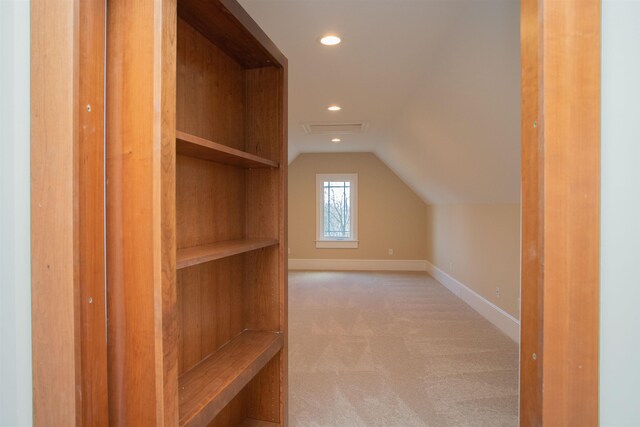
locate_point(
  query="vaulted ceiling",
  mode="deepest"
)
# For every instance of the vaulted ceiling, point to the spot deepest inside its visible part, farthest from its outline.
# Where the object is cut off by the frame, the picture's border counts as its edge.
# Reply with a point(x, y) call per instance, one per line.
point(438, 81)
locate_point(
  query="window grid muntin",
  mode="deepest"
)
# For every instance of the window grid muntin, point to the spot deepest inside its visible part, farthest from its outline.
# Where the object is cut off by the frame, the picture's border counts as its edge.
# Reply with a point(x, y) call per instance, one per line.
point(345, 230)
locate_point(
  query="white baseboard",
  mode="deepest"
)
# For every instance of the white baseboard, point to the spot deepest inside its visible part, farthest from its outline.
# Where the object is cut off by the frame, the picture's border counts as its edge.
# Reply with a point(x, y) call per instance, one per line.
point(358, 264)
point(494, 314)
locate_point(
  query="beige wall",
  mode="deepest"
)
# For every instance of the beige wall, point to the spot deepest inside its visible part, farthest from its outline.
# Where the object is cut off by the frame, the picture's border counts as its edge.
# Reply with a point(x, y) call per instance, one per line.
point(390, 215)
point(478, 245)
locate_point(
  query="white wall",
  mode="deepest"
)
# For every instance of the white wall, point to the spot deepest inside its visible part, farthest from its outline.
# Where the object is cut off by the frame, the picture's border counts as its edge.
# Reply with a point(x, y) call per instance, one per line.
point(15, 275)
point(457, 138)
point(620, 278)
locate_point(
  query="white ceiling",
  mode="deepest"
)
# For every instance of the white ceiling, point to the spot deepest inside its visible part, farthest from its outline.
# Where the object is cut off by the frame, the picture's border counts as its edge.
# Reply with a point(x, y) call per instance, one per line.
point(437, 80)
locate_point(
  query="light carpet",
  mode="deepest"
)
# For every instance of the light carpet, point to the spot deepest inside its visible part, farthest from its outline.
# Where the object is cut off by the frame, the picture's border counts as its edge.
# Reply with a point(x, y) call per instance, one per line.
point(394, 349)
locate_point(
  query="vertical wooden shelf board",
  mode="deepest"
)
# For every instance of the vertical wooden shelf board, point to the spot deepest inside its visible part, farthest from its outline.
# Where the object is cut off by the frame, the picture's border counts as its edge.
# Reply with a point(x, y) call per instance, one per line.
point(167, 320)
point(266, 201)
point(140, 212)
point(284, 242)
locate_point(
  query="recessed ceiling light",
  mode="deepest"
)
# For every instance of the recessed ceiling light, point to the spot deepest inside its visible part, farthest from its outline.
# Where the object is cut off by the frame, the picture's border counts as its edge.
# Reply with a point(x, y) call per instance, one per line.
point(330, 40)
point(336, 140)
point(334, 108)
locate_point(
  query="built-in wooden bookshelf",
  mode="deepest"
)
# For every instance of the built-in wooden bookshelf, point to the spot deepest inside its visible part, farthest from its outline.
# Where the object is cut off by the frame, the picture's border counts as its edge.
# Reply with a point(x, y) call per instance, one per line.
point(205, 253)
point(202, 186)
point(190, 145)
point(208, 387)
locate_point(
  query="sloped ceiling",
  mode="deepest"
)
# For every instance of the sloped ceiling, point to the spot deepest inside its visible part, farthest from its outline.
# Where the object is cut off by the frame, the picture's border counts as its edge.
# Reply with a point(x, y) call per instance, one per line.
point(437, 80)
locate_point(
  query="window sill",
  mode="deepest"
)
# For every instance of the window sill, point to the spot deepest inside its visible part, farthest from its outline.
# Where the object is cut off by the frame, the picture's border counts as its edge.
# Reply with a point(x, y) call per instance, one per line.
point(337, 244)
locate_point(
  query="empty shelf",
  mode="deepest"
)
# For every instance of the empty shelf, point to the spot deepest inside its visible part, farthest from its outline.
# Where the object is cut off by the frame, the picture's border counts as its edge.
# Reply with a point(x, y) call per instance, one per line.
point(194, 146)
point(208, 387)
point(199, 254)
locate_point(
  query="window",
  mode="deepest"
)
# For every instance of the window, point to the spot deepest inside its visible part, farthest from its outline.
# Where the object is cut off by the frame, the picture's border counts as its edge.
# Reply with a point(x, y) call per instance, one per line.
point(337, 208)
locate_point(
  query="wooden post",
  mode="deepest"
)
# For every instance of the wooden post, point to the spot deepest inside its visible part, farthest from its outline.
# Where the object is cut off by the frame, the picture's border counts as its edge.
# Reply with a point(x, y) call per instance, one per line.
point(561, 212)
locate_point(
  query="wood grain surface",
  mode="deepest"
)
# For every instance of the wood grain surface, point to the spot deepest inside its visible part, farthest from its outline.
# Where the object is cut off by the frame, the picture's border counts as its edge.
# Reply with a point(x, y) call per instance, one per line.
point(211, 385)
point(193, 146)
point(91, 146)
point(141, 249)
point(200, 254)
point(228, 25)
point(561, 212)
point(210, 90)
point(55, 285)
point(210, 202)
point(570, 98)
point(531, 354)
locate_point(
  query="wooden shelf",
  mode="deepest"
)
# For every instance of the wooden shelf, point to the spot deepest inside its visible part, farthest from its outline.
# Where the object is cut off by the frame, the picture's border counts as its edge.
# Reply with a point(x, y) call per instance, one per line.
point(194, 146)
point(200, 254)
point(207, 388)
point(243, 39)
point(250, 422)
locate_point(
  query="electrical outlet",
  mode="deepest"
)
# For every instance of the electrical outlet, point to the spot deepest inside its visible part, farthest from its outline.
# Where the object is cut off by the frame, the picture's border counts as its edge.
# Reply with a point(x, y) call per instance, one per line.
point(289, 251)
point(450, 266)
point(497, 292)
point(390, 251)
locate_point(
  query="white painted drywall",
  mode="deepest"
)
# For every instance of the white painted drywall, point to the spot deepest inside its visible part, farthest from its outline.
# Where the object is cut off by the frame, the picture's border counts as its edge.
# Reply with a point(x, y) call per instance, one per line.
point(620, 280)
point(15, 264)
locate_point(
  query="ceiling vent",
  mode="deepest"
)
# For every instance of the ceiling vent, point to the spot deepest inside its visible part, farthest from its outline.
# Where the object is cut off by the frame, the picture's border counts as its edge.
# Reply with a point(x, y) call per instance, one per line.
point(335, 128)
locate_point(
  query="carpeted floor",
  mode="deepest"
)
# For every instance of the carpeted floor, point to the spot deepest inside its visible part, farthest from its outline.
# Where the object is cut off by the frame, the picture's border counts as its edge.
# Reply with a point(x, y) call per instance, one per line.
point(394, 349)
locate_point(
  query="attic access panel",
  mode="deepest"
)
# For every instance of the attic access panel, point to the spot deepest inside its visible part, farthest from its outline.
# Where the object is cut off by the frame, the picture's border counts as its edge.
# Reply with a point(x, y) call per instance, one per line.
point(342, 128)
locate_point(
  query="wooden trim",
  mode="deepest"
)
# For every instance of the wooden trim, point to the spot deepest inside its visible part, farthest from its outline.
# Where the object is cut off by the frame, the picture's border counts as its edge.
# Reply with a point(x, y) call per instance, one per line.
point(284, 242)
point(532, 222)
point(54, 214)
point(67, 221)
point(561, 212)
point(571, 108)
point(166, 320)
point(141, 244)
point(91, 256)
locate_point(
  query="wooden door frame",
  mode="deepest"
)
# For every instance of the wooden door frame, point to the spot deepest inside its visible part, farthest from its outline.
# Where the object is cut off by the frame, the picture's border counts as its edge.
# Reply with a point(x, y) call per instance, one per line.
point(67, 213)
point(560, 212)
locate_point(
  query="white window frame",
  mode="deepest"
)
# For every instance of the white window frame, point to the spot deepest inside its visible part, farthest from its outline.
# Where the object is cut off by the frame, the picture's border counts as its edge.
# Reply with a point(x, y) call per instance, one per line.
point(333, 243)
